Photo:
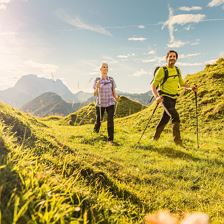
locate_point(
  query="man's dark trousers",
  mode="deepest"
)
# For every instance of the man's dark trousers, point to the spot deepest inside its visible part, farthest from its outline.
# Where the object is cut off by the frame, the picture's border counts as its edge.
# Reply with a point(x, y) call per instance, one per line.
point(169, 112)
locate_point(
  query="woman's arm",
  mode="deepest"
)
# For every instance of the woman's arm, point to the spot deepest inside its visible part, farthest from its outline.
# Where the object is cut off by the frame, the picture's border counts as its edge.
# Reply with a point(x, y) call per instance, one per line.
point(97, 87)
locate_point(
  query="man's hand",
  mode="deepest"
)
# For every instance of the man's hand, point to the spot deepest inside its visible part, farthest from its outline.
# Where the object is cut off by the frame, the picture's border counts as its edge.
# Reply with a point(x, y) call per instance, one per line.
point(159, 99)
point(194, 88)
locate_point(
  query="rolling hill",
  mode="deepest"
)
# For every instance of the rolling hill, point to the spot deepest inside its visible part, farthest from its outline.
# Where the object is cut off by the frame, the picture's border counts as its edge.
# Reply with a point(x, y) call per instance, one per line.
point(86, 115)
point(49, 104)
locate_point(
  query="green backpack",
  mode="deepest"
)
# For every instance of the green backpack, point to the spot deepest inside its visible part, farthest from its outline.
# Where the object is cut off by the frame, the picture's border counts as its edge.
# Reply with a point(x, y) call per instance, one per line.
point(166, 74)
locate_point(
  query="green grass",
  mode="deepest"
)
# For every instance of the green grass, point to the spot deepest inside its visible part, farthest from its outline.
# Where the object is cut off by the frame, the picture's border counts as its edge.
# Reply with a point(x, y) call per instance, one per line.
point(51, 173)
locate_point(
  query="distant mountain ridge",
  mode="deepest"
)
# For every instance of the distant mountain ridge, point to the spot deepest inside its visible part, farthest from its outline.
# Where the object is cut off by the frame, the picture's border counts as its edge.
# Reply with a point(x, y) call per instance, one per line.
point(28, 87)
point(31, 86)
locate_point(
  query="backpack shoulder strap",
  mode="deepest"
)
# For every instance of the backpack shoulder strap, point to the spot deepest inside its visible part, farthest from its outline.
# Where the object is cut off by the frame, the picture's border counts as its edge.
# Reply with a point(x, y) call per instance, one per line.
point(112, 81)
point(154, 73)
point(178, 70)
point(166, 75)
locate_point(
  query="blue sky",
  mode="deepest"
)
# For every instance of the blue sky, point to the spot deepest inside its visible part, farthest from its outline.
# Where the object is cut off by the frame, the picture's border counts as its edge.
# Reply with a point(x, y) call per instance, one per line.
point(69, 39)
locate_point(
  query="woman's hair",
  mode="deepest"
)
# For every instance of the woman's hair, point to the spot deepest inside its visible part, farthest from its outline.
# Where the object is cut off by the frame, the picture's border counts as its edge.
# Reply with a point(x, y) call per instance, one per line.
point(171, 51)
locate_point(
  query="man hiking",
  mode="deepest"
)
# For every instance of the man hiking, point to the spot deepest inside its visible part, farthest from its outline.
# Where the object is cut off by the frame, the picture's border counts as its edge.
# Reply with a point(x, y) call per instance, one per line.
point(104, 89)
point(168, 78)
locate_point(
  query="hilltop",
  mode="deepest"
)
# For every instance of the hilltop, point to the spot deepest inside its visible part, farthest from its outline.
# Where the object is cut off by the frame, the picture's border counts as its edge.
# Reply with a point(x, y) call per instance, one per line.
point(53, 173)
point(86, 115)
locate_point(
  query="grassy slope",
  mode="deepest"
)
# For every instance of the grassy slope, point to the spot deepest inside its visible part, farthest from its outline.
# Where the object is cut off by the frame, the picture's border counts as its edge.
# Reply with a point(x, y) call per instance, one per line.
point(68, 174)
point(86, 115)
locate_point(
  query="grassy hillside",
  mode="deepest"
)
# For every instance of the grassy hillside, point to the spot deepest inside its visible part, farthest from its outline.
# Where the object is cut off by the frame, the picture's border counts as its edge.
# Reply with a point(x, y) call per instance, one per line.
point(87, 114)
point(52, 173)
point(210, 99)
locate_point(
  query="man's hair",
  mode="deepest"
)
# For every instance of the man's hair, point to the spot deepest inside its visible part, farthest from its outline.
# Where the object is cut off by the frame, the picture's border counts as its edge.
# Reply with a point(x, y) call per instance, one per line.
point(171, 51)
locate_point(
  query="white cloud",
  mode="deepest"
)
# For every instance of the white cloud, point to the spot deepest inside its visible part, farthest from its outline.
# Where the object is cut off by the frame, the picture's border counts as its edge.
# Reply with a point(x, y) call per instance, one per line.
point(109, 60)
point(151, 52)
point(181, 56)
point(156, 59)
point(122, 56)
point(181, 19)
point(189, 64)
point(176, 43)
point(149, 60)
point(139, 73)
point(141, 26)
point(214, 3)
point(211, 61)
point(188, 28)
point(44, 68)
point(125, 56)
point(78, 23)
point(137, 38)
point(193, 8)
point(196, 42)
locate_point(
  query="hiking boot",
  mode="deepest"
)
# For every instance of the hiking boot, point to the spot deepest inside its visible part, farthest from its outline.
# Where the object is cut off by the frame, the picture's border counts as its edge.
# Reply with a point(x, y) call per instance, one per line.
point(180, 144)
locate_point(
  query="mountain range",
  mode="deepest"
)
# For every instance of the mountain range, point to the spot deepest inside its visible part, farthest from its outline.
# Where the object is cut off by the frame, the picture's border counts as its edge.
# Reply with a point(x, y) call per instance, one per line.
point(30, 87)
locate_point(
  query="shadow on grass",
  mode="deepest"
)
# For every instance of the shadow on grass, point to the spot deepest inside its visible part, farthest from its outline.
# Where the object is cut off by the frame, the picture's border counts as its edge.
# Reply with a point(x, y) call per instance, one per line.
point(168, 152)
point(94, 139)
point(9, 183)
point(175, 153)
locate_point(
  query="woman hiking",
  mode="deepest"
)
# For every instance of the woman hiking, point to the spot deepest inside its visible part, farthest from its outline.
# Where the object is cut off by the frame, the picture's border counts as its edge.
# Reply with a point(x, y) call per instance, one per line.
point(104, 90)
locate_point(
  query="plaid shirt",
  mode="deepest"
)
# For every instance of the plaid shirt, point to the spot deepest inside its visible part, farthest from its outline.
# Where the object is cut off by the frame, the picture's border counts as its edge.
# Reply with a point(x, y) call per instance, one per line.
point(105, 97)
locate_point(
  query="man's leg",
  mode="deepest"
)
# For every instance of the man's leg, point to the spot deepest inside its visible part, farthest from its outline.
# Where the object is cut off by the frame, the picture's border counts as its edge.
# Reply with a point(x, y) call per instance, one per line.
point(170, 106)
point(98, 117)
point(110, 122)
point(160, 127)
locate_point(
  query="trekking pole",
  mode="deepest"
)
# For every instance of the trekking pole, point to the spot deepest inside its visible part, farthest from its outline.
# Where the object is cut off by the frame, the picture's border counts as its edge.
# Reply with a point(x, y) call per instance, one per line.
point(196, 113)
point(84, 117)
point(151, 99)
point(151, 115)
point(100, 105)
point(115, 111)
